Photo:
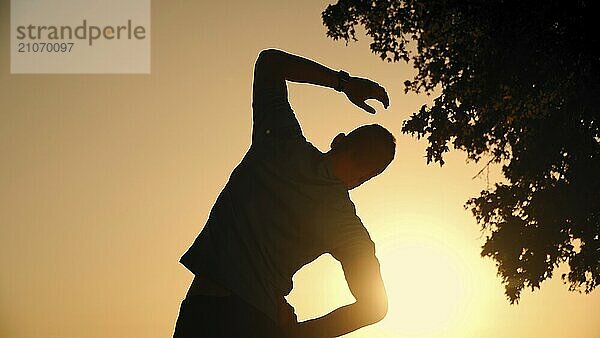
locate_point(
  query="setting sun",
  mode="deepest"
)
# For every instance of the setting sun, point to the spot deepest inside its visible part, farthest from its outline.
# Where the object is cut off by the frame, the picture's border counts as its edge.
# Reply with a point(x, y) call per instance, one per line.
point(427, 288)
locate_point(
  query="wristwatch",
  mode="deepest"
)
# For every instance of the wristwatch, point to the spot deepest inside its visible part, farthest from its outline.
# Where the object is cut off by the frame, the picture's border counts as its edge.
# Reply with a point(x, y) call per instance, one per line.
point(343, 79)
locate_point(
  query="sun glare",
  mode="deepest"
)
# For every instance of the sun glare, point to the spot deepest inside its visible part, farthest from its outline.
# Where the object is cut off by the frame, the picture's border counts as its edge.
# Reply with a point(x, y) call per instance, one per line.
point(427, 290)
point(429, 282)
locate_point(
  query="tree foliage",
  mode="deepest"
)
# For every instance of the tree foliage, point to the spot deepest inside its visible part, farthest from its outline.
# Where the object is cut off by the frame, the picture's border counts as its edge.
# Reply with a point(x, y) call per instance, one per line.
point(519, 85)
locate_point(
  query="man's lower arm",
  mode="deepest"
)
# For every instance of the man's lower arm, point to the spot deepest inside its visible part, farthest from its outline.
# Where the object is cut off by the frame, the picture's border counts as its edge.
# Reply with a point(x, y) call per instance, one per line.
point(299, 69)
point(340, 321)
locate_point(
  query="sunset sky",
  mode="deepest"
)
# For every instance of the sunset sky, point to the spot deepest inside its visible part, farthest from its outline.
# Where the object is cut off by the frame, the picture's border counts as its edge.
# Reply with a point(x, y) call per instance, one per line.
point(107, 179)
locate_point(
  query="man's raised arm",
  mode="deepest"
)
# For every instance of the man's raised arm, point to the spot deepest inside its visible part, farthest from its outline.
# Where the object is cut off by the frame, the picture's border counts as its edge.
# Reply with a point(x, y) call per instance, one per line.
point(273, 67)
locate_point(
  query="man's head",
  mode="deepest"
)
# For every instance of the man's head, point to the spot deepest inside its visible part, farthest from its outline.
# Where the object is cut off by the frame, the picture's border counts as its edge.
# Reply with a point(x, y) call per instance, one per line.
point(362, 154)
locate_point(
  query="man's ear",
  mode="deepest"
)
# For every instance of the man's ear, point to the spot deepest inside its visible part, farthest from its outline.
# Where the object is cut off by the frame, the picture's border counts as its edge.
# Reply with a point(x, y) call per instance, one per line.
point(337, 140)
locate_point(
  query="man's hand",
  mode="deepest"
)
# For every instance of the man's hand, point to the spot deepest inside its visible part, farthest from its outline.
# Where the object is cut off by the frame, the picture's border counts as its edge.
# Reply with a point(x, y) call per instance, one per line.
point(358, 90)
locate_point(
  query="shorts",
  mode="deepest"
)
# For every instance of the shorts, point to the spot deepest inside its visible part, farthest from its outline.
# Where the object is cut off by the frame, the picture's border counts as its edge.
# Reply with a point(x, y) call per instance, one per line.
point(203, 316)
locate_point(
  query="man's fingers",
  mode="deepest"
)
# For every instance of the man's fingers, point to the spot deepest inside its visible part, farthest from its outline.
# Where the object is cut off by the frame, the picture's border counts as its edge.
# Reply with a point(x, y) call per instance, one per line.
point(386, 99)
point(360, 102)
point(366, 107)
point(382, 96)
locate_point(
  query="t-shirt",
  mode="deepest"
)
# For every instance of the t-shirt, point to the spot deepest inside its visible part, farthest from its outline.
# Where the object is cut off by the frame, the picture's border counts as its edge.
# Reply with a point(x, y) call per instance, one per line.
point(281, 209)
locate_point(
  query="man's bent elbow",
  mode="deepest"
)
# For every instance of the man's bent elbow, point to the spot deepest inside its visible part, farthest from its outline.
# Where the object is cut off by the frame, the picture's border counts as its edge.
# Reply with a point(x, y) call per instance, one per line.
point(380, 310)
point(380, 303)
point(268, 55)
point(269, 64)
point(375, 310)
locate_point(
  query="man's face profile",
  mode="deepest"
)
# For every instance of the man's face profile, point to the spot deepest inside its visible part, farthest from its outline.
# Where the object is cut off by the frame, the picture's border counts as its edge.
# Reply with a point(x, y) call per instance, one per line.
point(355, 160)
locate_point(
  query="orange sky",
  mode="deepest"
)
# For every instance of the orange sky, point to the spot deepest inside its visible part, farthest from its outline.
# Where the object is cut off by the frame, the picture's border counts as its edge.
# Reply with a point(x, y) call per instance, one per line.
point(107, 179)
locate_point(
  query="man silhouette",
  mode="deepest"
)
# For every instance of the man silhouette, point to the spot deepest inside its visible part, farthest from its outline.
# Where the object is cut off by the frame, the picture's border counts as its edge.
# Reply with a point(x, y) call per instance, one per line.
point(284, 205)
